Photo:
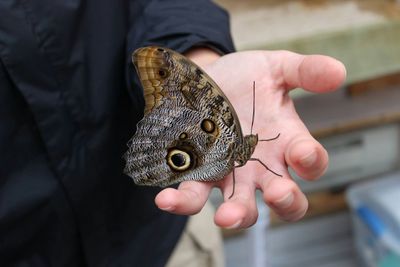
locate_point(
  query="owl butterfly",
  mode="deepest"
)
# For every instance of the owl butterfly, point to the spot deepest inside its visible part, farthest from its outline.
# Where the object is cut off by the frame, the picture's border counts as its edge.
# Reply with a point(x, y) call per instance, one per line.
point(190, 131)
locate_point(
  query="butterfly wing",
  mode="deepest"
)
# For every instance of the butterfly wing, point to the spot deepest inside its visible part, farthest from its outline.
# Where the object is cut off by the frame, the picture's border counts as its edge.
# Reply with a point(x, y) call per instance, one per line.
point(189, 130)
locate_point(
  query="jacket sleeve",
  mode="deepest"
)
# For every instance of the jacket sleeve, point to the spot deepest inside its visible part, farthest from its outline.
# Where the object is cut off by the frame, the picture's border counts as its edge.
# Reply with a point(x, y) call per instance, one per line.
point(180, 25)
point(176, 24)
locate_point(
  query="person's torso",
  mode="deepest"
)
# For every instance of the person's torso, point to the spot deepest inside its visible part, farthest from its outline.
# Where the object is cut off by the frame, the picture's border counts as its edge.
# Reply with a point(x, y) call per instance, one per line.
point(65, 116)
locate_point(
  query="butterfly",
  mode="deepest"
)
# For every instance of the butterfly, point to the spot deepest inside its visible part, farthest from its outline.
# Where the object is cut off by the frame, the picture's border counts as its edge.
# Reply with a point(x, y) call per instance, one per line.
point(190, 130)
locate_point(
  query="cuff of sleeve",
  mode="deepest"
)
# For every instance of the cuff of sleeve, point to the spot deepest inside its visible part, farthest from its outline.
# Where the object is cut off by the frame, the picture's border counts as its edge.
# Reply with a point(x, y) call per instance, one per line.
point(181, 25)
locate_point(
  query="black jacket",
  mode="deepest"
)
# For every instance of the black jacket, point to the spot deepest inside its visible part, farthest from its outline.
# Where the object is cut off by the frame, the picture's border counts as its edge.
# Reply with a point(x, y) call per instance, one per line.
point(65, 118)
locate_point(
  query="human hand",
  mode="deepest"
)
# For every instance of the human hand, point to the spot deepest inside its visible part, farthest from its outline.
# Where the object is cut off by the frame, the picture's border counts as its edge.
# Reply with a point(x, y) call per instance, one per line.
point(275, 73)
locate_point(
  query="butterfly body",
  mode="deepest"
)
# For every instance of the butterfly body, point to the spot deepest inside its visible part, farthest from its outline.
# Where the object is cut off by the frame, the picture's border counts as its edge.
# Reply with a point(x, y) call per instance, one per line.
point(245, 149)
point(190, 130)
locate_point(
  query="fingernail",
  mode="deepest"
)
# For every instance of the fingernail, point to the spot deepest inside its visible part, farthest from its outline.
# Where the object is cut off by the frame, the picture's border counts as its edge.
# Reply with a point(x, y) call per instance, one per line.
point(285, 201)
point(169, 208)
point(309, 159)
point(235, 225)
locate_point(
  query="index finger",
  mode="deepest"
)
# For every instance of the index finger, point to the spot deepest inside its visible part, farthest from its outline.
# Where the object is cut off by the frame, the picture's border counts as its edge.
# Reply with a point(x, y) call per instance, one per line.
point(315, 73)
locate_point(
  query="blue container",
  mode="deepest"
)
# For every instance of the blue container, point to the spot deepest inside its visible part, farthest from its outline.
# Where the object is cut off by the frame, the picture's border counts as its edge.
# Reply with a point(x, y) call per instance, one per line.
point(375, 209)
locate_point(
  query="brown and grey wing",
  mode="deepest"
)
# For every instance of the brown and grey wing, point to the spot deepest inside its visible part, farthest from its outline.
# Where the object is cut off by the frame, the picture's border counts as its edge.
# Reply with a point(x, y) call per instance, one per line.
point(165, 74)
point(170, 146)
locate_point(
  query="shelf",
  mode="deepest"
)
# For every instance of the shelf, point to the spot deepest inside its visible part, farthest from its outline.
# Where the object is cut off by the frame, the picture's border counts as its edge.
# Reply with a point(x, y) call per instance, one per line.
point(363, 34)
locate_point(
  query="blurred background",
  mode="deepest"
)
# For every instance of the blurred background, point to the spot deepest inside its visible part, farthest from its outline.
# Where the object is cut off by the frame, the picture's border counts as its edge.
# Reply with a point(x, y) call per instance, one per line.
point(354, 214)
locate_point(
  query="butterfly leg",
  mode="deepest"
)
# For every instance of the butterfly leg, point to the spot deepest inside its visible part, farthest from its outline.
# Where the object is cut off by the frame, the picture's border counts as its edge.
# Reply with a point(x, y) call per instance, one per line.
point(233, 187)
point(268, 169)
point(271, 139)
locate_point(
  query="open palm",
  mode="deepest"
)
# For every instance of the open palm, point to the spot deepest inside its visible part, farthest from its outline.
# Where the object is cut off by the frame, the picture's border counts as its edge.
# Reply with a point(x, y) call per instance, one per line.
point(274, 74)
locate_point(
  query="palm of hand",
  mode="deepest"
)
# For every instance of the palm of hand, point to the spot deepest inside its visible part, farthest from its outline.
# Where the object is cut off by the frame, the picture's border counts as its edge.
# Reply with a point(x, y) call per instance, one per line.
point(274, 73)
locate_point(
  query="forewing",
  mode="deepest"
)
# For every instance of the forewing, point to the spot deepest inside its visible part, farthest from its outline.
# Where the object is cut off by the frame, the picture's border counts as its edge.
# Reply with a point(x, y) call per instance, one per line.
point(166, 74)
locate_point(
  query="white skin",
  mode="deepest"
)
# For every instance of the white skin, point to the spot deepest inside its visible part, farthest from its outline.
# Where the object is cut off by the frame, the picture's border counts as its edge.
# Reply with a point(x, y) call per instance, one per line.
point(275, 73)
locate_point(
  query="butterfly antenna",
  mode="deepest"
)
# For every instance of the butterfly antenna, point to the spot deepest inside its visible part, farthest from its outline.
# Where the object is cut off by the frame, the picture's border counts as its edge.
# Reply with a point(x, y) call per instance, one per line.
point(233, 186)
point(254, 106)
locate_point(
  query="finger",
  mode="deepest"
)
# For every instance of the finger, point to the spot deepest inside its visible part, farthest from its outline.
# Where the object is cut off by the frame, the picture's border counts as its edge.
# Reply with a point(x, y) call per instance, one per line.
point(285, 198)
point(306, 157)
point(315, 73)
point(240, 210)
point(188, 199)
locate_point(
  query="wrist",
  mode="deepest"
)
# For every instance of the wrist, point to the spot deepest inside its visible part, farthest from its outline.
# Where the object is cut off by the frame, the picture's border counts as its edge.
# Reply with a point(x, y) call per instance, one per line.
point(202, 56)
